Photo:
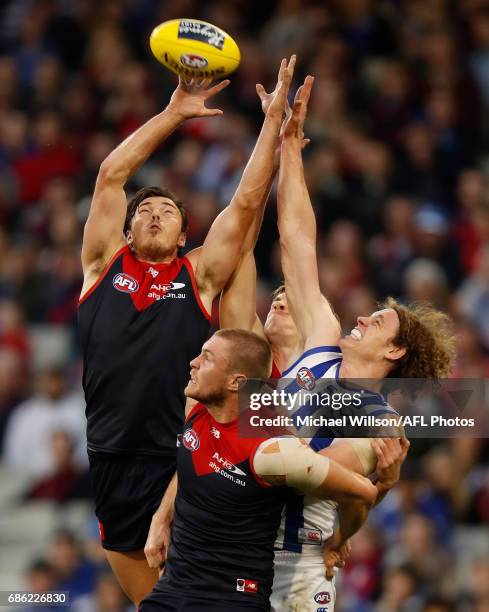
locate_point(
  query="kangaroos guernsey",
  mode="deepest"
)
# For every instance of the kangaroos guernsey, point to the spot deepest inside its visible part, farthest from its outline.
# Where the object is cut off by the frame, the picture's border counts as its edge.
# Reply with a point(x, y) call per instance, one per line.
point(225, 521)
point(140, 325)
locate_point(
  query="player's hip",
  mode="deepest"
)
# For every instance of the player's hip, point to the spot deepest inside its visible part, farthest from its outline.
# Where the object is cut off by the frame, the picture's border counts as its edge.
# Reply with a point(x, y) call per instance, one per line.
point(300, 584)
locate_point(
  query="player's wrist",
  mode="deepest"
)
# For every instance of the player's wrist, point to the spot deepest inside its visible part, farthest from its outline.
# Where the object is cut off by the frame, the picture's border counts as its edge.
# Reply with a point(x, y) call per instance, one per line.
point(176, 112)
point(163, 518)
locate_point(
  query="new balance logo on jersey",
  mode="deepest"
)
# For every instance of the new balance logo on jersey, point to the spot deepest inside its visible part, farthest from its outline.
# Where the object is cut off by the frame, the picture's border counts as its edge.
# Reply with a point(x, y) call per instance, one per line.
point(305, 379)
point(227, 465)
point(154, 273)
point(246, 586)
point(125, 283)
point(216, 433)
point(191, 440)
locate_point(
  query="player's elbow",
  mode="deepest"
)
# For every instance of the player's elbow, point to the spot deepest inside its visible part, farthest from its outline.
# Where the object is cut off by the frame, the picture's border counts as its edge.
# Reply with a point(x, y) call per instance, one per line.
point(111, 173)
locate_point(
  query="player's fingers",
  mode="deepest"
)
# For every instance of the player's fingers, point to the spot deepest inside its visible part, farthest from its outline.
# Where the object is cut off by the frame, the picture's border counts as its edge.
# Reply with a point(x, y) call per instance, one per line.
point(260, 90)
point(379, 451)
point(298, 93)
point(281, 70)
point(306, 89)
point(212, 112)
point(405, 443)
point(305, 142)
point(212, 91)
point(291, 66)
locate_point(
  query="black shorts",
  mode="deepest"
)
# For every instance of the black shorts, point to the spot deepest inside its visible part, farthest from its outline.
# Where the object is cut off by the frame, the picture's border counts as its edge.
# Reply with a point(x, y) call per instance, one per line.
point(127, 494)
point(159, 602)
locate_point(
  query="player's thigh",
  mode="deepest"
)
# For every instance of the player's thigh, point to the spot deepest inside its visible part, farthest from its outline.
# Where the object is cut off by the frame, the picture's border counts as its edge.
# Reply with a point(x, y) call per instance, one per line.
point(132, 571)
point(297, 589)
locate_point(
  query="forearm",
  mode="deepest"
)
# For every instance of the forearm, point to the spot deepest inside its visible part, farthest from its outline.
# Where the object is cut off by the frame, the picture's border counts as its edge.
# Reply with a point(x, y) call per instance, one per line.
point(258, 175)
point(295, 212)
point(351, 517)
point(166, 509)
point(125, 159)
point(254, 230)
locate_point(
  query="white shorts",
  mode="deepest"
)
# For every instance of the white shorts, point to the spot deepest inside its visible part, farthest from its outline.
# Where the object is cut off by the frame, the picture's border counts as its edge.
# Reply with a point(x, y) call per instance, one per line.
point(300, 584)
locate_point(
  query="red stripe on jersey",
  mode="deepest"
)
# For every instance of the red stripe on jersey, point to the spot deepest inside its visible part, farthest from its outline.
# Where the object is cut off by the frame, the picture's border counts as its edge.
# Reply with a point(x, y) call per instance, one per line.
point(103, 275)
point(154, 281)
point(190, 270)
point(276, 373)
point(207, 439)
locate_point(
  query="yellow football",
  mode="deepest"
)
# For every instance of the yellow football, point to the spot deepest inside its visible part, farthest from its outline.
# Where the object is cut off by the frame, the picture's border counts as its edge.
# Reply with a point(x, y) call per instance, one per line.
point(194, 48)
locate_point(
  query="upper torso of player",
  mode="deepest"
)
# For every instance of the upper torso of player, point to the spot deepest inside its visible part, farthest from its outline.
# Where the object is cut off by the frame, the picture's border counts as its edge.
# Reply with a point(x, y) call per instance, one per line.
point(140, 326)
point(225, 520)
point(306, 521)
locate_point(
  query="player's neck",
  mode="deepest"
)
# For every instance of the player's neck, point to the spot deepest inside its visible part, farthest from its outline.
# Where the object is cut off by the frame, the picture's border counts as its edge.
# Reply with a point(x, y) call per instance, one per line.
point(285, 353)
point(224, 412)
point(155, 258)
point(358, 371)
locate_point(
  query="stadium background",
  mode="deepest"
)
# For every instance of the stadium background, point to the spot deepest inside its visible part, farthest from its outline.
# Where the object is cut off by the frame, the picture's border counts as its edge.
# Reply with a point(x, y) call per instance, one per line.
point(398, 171)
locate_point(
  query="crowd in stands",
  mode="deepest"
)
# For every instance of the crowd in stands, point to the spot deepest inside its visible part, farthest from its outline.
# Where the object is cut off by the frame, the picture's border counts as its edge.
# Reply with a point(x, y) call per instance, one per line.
point(398, 170)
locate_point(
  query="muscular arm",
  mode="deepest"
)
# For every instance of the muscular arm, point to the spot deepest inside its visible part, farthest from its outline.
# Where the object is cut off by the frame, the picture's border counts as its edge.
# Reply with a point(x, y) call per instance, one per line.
point(297, 227)
point(158, 540)
point(103, 230)
point(224, 244)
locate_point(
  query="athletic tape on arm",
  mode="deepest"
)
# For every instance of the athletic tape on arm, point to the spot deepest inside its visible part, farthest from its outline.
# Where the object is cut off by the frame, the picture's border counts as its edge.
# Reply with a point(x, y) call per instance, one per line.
point(365, 453)
point(291, 458)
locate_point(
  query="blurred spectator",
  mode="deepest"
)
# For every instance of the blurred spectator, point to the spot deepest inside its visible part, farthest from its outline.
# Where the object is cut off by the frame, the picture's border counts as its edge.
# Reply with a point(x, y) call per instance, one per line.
point(27, 439)
point(65, 481)
point(107, 597)
point(418, 547)
point(473, 295)
point(72, 571)
point(400, 591)
point(40, 579)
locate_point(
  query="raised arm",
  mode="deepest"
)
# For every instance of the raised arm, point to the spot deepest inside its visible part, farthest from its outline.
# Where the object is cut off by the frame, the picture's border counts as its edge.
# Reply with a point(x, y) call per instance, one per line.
point(223, 246)
point(103, 230)
point(297, 227)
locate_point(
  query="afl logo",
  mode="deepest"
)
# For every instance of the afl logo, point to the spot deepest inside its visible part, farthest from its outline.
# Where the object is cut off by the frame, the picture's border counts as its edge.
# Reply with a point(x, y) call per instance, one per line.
point(125, 283)
point(323, 597)
point(191, 440)
point(305, 379)
point(193, 61)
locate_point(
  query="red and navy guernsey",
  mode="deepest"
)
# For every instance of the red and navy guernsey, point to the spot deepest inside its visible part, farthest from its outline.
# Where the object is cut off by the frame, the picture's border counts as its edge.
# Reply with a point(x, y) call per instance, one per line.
point(226, 518)
point(140, 326)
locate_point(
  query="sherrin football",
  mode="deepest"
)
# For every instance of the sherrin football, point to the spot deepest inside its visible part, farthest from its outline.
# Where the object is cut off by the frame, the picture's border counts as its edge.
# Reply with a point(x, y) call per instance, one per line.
point(194, 48)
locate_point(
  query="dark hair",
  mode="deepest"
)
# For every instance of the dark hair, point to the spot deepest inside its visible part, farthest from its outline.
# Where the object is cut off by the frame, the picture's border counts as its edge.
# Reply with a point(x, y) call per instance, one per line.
point(150, 192)
point(278, 291)
point(251, 354)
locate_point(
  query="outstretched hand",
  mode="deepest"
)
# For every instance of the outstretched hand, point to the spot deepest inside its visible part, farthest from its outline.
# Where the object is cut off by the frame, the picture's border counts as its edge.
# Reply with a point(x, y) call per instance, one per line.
point(294, 125)
point(274, 103)
point(189, 98)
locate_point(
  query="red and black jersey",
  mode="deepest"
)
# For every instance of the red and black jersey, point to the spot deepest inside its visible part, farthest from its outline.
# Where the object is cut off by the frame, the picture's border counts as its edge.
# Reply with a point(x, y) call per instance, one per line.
point(140, 325)
point(226, 517)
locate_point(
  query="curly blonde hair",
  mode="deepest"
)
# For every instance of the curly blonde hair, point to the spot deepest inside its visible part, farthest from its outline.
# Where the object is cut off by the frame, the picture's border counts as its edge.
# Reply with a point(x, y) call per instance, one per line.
point(429, 338)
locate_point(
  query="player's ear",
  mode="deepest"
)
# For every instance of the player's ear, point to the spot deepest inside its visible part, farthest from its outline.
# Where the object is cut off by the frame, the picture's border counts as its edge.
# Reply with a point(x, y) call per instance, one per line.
point(236, 381)
point(182, 239)
point(395, 352)
point(129, 237)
